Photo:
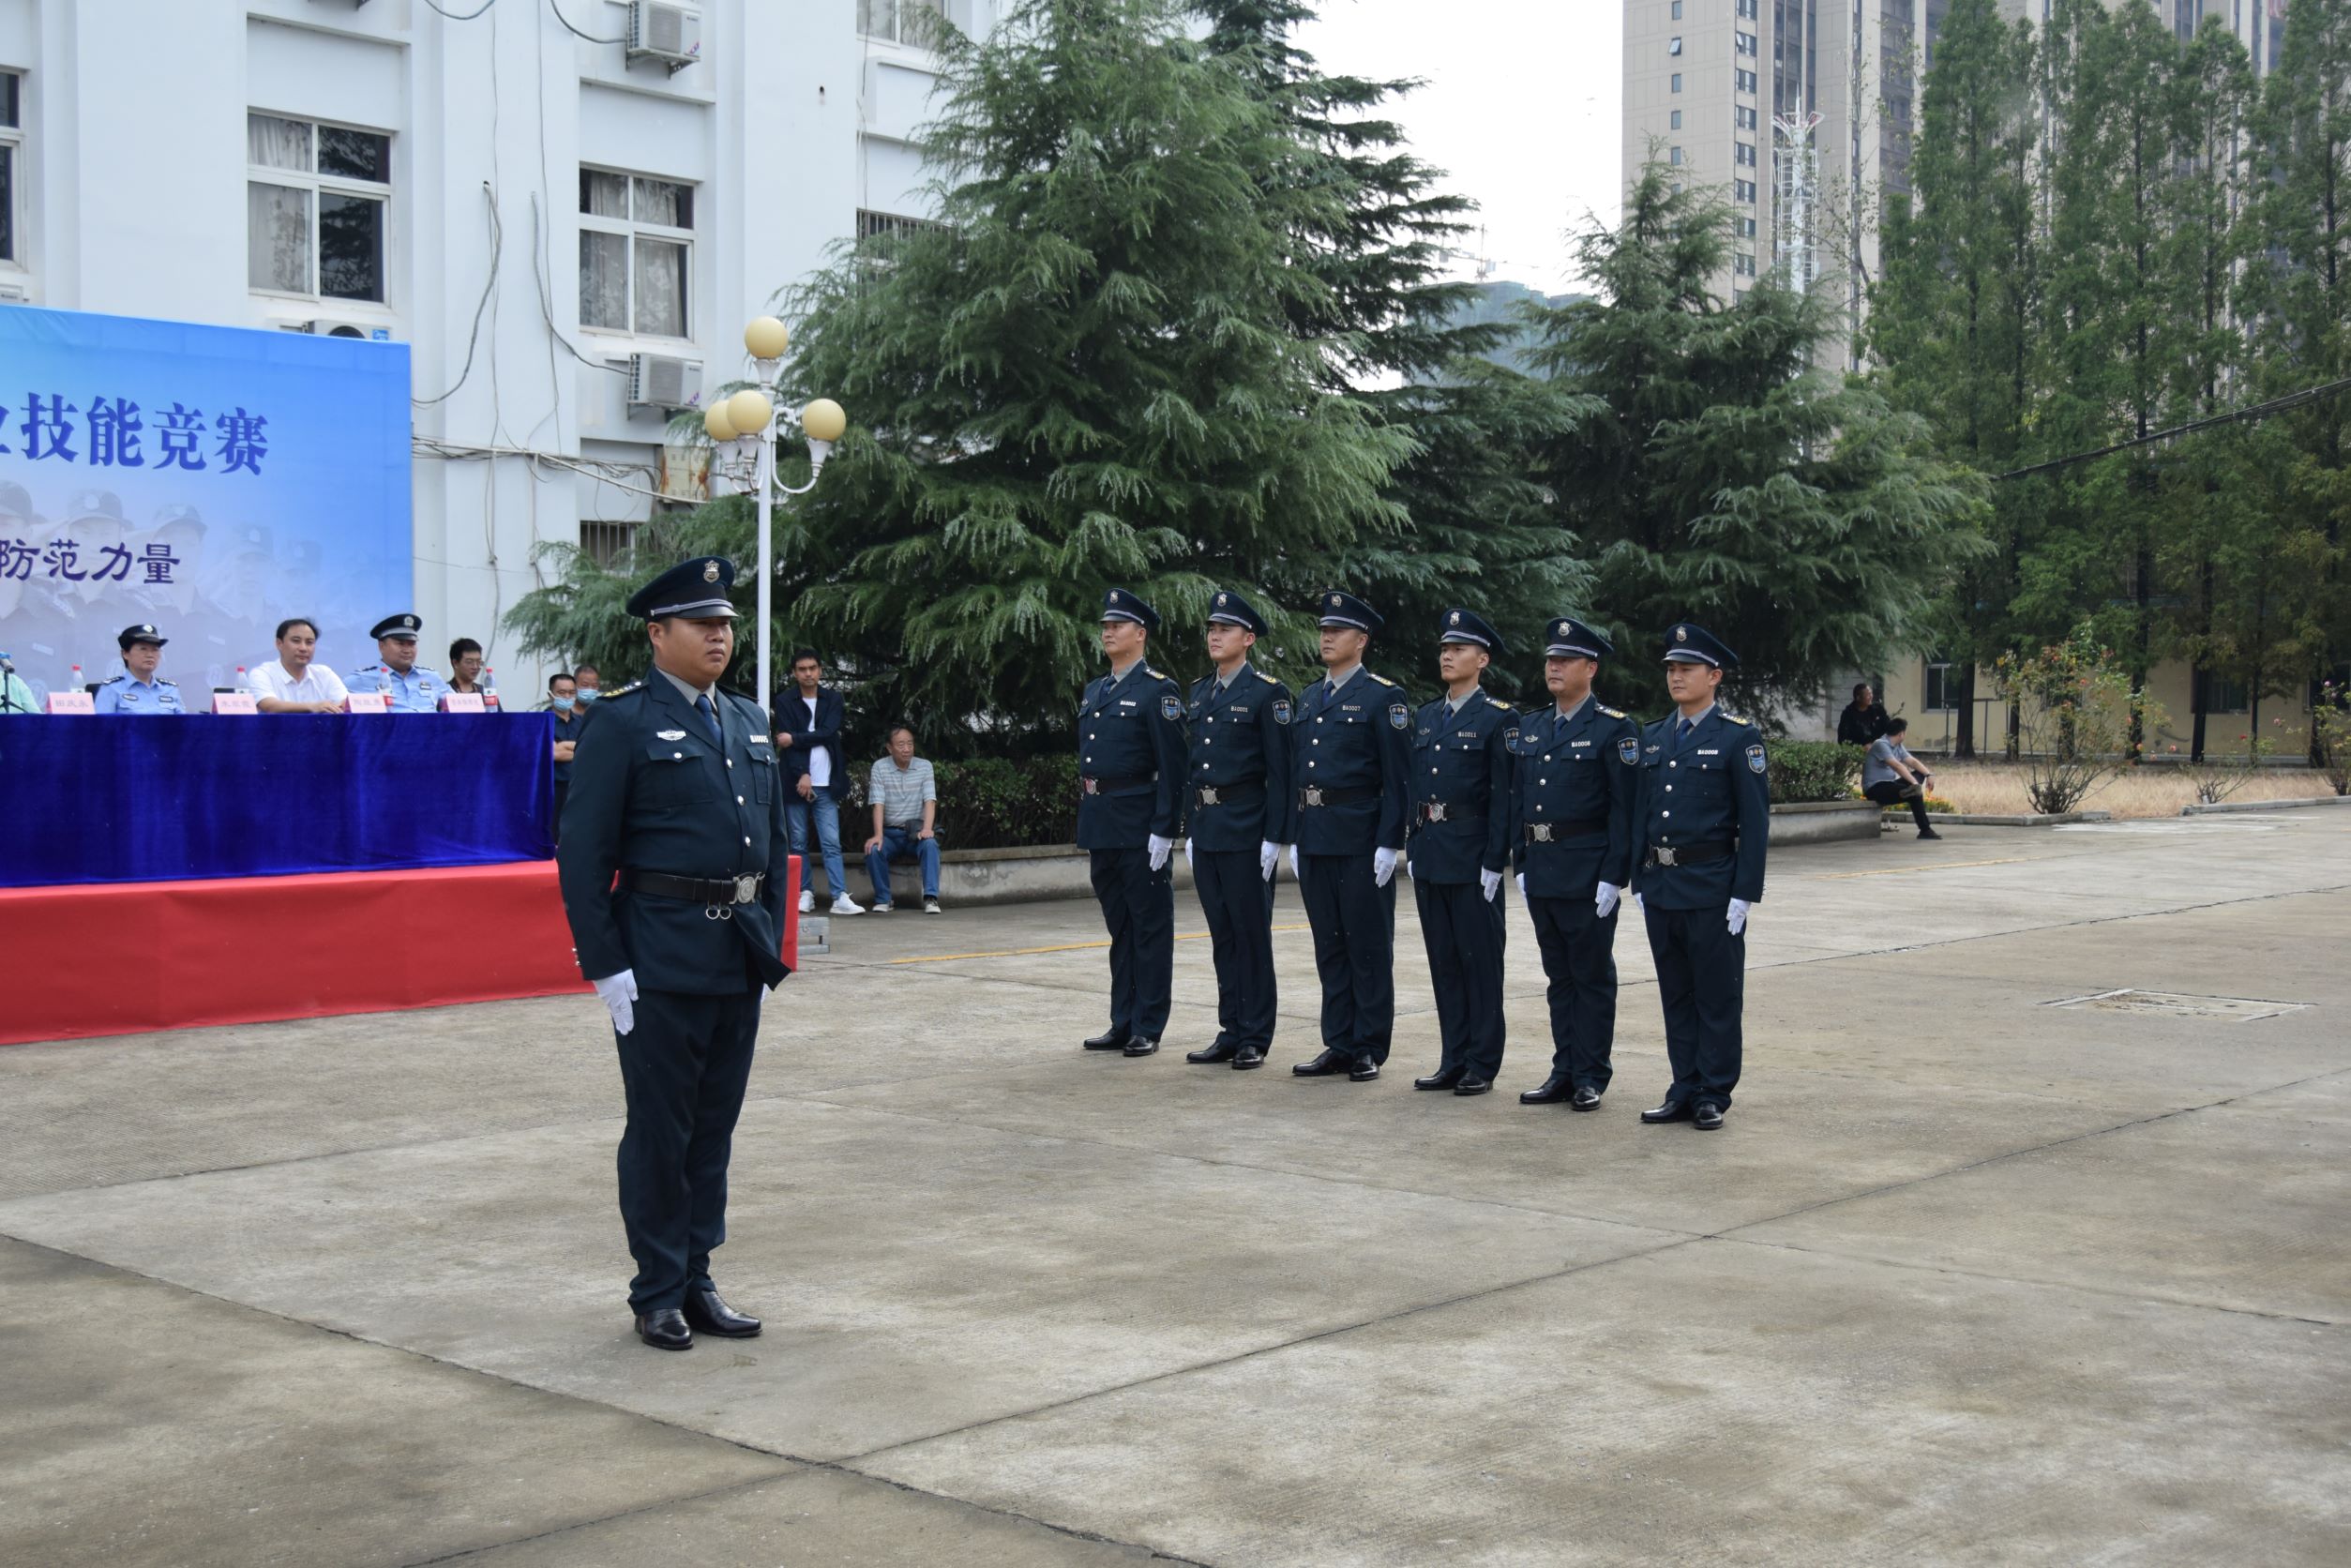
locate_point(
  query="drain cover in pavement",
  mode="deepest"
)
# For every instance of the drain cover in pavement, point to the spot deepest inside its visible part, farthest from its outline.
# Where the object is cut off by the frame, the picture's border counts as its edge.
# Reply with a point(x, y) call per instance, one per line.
point(2238, 1009)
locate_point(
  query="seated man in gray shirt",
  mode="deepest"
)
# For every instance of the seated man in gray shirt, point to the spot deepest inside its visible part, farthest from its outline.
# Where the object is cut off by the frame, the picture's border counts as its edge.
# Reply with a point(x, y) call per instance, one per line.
point(1890, 775)
point(905, 797)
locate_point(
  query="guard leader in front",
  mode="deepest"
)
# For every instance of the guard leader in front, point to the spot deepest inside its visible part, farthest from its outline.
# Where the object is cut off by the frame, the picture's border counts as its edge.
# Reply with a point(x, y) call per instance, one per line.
point(674, 864)
point(1704, 820)
point(1241, 807)
point(1459, 850)
point(1130, 806)
point(1350, 738)
point(1578, 762)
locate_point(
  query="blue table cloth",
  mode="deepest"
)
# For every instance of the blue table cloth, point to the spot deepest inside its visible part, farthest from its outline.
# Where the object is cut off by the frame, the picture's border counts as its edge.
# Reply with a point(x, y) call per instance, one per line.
point(123, 799)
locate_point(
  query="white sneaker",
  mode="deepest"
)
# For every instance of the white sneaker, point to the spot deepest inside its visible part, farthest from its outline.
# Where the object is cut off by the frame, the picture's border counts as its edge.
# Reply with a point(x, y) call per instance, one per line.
point(807, 902)
point(846, 905)
point(931, 906)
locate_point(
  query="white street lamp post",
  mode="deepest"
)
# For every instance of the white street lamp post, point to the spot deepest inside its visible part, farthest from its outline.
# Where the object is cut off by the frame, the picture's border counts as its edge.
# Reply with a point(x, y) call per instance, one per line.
point(746, 423)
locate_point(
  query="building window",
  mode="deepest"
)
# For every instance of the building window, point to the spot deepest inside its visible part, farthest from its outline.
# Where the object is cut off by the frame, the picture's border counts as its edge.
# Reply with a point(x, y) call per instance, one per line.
point(1744, 264)
point(900, 20)
point(315, 197)
point(1747, 9)
point(1676, 82)
point(1746, 228)
point(1744, 80)
point(1677, 121)
point(1942, 688)
point(606, 542)
point(1742, 116)
point(1673, 156)
point(1744, 154)
point(1743, 43)
point(636, 254)
point(1743, 190)
point(1677, 10)
point(1673, 45)
point(11, 156)
point(2224, 696)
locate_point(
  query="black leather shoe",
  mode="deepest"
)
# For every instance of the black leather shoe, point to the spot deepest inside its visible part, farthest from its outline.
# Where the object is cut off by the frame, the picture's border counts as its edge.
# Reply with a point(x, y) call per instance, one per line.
point(1587, 1098)
point(1444, 1078)
point(1473, 1084)
point(1217, 1052)
point(665, 1329)
point(1672, 1111)
point(709, 1315)
point(1325, 1064)
point(1362, 1070)
point(1247, 1057)
point(1107, 1040)
point(1928, 833)
point(1141, 1045)
point(1709, 1119)
point(1554, 1090)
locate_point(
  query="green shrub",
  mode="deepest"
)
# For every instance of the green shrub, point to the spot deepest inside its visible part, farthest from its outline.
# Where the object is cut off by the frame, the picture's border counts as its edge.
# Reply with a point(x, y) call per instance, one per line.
point(1812, 770)
point(992, 804)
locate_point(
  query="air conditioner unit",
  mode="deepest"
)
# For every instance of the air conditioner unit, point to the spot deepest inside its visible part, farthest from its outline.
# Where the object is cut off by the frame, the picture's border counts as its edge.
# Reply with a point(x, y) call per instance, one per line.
point(13, 294)
point(324, 327)
point(659, 381)
point(658, 31)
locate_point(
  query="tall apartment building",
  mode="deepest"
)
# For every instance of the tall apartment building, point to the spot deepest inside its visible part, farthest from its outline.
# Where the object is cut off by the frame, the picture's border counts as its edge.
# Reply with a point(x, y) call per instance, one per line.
point(530, 193)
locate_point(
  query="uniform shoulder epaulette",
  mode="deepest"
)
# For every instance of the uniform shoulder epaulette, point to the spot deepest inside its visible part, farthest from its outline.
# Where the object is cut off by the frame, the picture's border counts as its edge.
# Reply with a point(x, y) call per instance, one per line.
point(631, 688)
point(366, 669)
point(1735, 718)
point(1612, 713)
point(1381, 679)
point(159, 681)
point(1266, 678)
point(124, 676)
point(1500, 703)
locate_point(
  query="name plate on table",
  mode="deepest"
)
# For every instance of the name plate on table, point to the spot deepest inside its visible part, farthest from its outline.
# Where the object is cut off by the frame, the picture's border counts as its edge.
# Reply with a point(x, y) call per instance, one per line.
point(462, 702)
point(365, 703)
point(235, 702)
point(72, 703)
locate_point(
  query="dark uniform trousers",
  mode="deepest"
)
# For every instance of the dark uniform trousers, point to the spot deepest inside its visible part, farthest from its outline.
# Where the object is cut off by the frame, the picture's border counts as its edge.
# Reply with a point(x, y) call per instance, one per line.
point(1463, 931)
point(1351, 739)
point(1461, 767)
point(1702, 987)
point(1138, 911)
point(1237, 775)
point(684, 1069)
point(1580, 958)
point(1239, 904)
point(1130, 760)
point(1355, 926)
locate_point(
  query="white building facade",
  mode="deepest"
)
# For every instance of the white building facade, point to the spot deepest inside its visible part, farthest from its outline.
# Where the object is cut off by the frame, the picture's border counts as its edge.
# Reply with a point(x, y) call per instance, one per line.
point(528, 193)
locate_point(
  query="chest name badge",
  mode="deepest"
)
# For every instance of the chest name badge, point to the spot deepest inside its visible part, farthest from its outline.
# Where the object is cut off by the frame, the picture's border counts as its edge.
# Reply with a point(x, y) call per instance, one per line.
point(1573, 744)
point(1709, 751)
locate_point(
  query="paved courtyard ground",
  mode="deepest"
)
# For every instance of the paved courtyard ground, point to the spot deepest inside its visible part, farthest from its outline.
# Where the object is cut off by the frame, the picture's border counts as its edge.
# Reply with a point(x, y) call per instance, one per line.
point(1970, 1277)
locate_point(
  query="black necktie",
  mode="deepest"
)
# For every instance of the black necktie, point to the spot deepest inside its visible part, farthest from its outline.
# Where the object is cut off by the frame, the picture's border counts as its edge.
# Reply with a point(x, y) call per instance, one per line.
point(1684, 733)
point(710, 716)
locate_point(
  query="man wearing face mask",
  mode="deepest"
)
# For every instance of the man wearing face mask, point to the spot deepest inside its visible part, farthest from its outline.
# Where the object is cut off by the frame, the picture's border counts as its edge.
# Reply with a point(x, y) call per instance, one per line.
point(563, 700)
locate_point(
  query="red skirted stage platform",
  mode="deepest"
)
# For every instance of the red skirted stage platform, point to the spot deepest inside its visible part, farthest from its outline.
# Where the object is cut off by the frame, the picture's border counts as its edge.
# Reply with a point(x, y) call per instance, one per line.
point(125, 957)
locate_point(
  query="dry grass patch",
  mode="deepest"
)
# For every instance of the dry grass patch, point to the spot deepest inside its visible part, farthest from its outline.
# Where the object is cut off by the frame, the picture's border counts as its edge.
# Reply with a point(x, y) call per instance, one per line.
point(1997, 788)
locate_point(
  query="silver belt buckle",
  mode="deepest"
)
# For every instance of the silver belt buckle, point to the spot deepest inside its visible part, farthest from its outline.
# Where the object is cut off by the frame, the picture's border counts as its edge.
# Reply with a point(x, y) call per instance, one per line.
point(1208, 796)
point(1436, 811)
point(1665, 855)
point(1313, 795)
point(1088, 786)
point(746, 889)
point(1539, 832)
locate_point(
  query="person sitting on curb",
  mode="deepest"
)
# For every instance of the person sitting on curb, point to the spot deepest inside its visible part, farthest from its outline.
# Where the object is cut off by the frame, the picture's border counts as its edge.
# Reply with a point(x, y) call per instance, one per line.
point(1890, 775)
point(905, 795)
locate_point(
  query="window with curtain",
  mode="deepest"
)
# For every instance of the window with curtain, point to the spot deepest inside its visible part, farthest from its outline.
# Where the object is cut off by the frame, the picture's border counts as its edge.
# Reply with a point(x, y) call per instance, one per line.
point(315, 201)
point(636, 254)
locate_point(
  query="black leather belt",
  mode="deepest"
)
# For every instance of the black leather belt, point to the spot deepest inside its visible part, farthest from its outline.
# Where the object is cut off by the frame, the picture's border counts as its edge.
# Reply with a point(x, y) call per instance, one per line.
point(1226, 795)
point(696, 890)
point(1551, 833)
point(1429, 811)
point(1092, 786)
point(1688, 854)
point(1317, 794)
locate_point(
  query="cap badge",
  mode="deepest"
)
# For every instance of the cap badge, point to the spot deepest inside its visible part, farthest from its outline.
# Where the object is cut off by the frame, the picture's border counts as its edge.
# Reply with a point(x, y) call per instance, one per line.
point(710, 571)
point(408, 621)
point(1681, 634)
point(1453, 619)
point(150, 631)
point(1335, 601)
point(1220, 601)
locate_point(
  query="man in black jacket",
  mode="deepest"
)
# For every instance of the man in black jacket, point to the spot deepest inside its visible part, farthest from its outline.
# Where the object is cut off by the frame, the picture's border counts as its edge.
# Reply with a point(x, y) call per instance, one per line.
point(1864, 718)
point(809, 738)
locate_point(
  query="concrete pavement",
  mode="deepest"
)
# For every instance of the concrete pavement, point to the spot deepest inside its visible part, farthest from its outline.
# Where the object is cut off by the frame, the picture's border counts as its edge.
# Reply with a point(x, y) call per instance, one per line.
point(1970, 1277)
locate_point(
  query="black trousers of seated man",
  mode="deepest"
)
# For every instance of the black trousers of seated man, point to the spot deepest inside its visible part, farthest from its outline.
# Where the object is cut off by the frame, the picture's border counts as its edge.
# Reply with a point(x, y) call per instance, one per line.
point(1702, 986)
point(1889, 791)
point(1138, 909)
point(1462, 929)
point(684, 1066)
point(1579, 961)
point(1238, 901)
point(1354, 923)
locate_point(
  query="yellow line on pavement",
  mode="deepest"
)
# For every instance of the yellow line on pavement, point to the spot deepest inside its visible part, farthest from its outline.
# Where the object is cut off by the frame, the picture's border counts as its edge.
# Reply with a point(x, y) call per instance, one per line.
point(1061, 948)
point(1933, 865)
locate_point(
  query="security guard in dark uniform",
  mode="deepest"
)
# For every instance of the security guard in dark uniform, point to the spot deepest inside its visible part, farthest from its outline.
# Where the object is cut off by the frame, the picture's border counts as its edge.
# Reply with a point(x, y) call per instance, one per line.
point(1458, 849)
point(1350, 742)
point(675, 866)
point(1130, 806)
point(1704, 820)
point(1578, 764)
point(1241, 805)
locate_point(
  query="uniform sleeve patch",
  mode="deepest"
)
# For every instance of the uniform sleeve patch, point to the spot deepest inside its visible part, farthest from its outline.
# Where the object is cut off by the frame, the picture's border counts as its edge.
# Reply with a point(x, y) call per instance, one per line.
point(1400, 716)
point(1171, 706)
point(1754, 758)
point(1281, 710)
point(1629, 748)
point(1510, 736)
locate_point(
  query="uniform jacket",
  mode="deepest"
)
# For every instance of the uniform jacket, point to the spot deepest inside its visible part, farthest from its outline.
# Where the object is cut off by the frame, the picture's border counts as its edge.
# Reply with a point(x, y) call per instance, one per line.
point(419, 691)
point(651, 791)
point(1355, 738)
point(1579, 779)
point(809, 735)
point(1240, 742)
point(1706, 787)
point(1461, 763)
point(1130, 737)
point(124, 695)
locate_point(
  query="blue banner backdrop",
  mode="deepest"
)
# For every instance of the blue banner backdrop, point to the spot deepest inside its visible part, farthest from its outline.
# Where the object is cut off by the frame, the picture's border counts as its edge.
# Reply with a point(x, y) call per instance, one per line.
point(206, 480)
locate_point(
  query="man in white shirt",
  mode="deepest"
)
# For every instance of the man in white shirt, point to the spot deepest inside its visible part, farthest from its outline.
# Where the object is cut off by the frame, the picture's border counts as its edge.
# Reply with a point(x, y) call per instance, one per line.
point(290, 684)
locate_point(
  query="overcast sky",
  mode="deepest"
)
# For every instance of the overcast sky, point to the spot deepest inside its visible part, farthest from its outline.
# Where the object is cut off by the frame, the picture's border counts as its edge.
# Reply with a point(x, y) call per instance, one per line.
point(1520, 109)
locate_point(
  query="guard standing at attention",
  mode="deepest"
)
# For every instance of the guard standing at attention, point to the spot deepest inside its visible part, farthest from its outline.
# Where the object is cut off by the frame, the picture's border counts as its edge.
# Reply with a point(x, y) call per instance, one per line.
point(1579, 763)
point(675, 868)
point(1458, 849)
point(139, 689)
point(1130, 806)
point(1241, 807)
point(408, 688)
point(1704, 819)
point(1350, 746)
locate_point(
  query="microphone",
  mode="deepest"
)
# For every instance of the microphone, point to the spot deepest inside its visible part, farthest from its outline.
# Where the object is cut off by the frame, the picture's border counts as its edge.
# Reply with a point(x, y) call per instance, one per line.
point(8, 665)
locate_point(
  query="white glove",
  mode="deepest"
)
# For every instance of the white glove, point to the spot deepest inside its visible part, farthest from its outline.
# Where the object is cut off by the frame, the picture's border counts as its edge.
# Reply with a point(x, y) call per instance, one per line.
point(1522, 884)
point(1408, 866)
point(1268, 853)
point(1294, 865)
point(1383, 866)
point(1604, 903)
point(1489, 883)
point(618, 992)
point(1159, 848)
point(1639, 908)
point(1737, 918)
point(1187, 854)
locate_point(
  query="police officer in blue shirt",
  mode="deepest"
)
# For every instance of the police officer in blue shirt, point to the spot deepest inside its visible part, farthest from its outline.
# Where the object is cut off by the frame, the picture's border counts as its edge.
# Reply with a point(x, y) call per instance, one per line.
point(1457, 850)
point(1579, 763)
point(139, 689)
point(675, 865)
point(1349, 742)
point(1241, 805)
point(1130, 806)
point(1703, 819)
point(408, 687)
